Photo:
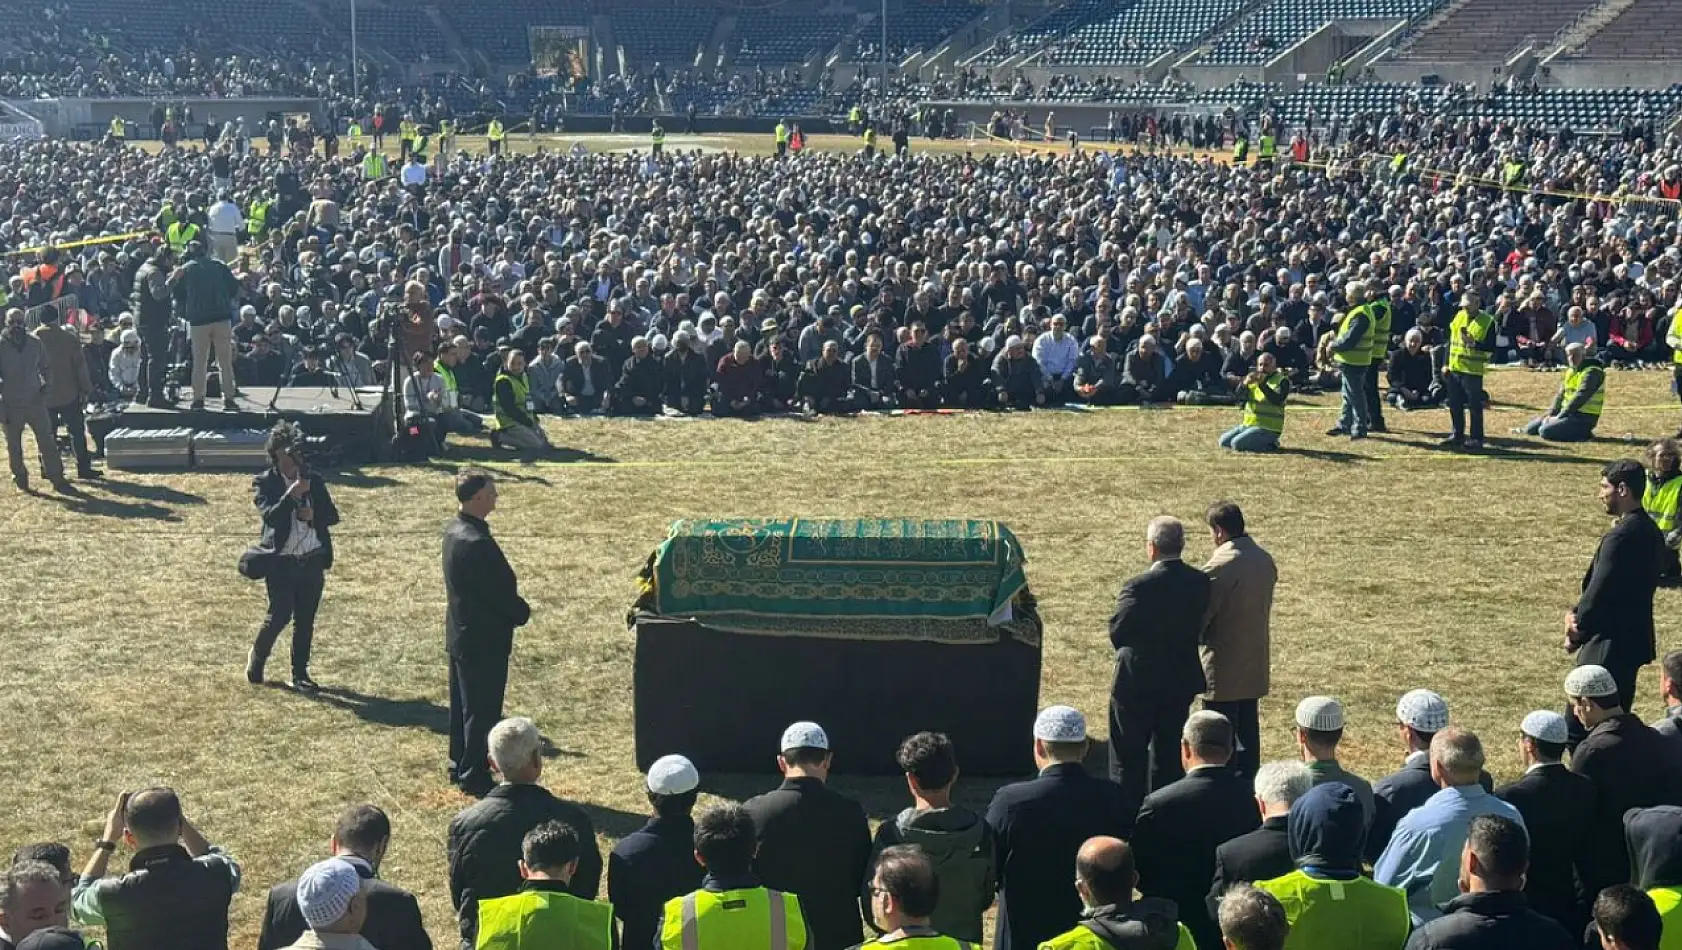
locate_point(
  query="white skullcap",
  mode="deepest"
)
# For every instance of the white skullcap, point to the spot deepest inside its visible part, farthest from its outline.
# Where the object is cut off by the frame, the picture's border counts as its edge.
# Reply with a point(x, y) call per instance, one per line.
point(1422, 710)
point(673, 775)
point(1591, 681)
point(1545, 726)
point(805, 735)
point(1320, 713)
point(1060, 724)
point(326, 890)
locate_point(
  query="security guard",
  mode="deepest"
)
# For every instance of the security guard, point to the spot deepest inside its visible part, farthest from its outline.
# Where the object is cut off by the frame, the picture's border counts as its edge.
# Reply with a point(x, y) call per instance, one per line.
point(657, 138)
point(855, 119)
point(257, 218)
point(495, 133)
point(119, 130)
point(355, 134)
point(1577, 406)
point(373, 166)
point(903, 894)
point(1662, 500)
point(1352, 349)
point(870, 142)
point(1398, 164)
point(1512, 173)
point(1266, 149)
point(1673, 339)
point(1380, 310)
point(1240, 149)
point(1105, 877)
point(782, 138)
point(446, 136)
point(731, 911)
point(406, 132)
point(1471, 338)
point(542, 915)
point(180, 234)
point(1263, 393)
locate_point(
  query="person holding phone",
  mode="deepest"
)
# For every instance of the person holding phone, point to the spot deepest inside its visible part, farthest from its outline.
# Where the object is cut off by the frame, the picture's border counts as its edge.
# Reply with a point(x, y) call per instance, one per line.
point(298, 514)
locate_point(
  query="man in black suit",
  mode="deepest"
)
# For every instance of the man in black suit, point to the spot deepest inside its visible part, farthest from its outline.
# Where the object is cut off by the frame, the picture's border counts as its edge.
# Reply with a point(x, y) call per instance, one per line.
point(1265, 853)
point(297, 514)
point(394, 917)
point(1558, 809)
point(656, 863)
point(1180, 825)
point(484, 608)
point(1040, 825)
point(1612, 624)
point(1158, 619)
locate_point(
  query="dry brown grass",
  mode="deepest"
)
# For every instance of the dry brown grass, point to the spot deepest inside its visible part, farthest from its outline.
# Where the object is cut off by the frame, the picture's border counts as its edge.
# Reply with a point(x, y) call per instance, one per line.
point(1400, 566)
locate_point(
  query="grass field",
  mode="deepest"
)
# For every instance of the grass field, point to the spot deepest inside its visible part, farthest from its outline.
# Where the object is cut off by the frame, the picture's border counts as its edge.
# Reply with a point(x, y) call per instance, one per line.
point(1400, 566)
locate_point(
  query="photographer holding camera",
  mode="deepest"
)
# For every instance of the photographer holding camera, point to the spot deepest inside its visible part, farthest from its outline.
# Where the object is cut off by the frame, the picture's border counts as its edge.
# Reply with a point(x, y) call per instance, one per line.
point(294, 552)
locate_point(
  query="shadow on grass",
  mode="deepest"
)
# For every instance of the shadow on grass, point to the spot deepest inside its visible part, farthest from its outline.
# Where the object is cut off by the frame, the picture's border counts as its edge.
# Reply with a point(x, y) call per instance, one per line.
point(352, 478)
point(882, 796)
point(78, 501)
point(613, 822)
point(1323, 455)
point(155, 493)
point(1507, 450)
point(381, 711)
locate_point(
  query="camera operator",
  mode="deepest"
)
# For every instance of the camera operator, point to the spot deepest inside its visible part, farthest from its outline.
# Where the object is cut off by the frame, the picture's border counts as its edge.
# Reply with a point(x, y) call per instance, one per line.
point(152, 304)
point(297, 513)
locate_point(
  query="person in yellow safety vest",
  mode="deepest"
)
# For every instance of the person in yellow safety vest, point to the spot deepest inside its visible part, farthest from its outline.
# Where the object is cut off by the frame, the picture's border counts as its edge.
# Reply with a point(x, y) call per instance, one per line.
point(870, 142)
point(257, 218)
point(1662, 500)
point(180, 234)
point(1266, 149)
point(1646, 912)
point(903, 893)
point(1471, 338)
point(1399, 163)
point(515, 411)
point(1673, 339)
point(446, 136)
point(542, 915)
point(119, 130)
point(1240, 149)
point(452, 415)
point(406, 132)
point(656, 138)
point(495, 133)
point(1328, 902)
point(1379, 309)
point(1105, 878)
point(1577, 406)
point(373, 166)
point(782, 138)
point(1512, 173)
point(354, 133)
point(1352, 349)
point(855, 119)
point(1263, 393)
point(731, 911)
point(166, 216)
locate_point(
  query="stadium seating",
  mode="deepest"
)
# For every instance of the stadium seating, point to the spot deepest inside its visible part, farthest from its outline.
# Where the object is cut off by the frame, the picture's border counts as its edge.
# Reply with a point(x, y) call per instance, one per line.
point(1239, 94)
point(501, 34)
point(404, 31)
point(918, 25)
point(1140, 33)
point(667, 33)
point(1479, 29)
point(783, 39)
point(1643, 31)
point(1279, 24)
point(1047, 28)
point(1349, 100)
point(1584, 110)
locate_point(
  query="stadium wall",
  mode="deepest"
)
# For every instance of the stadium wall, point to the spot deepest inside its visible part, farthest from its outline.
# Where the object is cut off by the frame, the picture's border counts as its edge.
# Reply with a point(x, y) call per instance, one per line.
point(1601, 74)
point(89, 118)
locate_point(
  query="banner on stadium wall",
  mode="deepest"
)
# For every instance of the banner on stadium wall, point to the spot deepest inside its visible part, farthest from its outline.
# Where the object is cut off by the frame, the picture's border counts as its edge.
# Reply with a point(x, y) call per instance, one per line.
point(560, 51)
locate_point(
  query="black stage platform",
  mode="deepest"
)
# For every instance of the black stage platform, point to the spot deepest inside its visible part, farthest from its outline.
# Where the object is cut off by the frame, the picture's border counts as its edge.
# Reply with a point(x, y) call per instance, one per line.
point(349, 432)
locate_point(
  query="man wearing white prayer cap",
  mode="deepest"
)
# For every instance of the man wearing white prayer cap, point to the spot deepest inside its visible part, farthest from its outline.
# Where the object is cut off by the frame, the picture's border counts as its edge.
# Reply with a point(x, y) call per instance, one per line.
point(656, 863)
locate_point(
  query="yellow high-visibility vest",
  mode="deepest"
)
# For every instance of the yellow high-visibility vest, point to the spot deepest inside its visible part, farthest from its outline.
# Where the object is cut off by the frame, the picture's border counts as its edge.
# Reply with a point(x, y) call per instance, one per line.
point(1463, 358)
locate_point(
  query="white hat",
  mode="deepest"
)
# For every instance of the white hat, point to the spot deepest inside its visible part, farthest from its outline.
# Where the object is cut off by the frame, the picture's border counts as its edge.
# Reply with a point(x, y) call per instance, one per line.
point(326, 890)
point(1060, 724)
point(1422, 711)
point(1320, 713)
point(805, 735)
point(1012, 341)
point(1544, 726)
point(1590, 680)
point(673, 775)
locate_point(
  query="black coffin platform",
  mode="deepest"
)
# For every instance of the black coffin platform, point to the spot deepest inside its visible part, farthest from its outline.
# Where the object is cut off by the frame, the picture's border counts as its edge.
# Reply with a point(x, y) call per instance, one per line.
point(723, 699)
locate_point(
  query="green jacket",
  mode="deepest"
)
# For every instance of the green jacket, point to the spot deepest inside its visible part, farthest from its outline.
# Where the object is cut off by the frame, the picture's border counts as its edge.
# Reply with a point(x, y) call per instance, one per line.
point(204, 291)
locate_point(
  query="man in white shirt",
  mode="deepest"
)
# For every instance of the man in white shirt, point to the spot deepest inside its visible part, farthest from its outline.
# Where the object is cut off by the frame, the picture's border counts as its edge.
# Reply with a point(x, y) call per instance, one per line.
point(414, 176)
point(225, 224)
point(1057, 353)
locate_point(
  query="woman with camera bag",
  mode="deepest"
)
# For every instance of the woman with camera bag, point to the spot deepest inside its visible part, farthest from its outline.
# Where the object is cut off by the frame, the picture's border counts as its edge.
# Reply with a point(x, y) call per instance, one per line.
point(293, 555)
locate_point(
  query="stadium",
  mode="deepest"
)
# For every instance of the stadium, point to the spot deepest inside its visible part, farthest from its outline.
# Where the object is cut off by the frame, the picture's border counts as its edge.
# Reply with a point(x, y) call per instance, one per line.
point(899, 328)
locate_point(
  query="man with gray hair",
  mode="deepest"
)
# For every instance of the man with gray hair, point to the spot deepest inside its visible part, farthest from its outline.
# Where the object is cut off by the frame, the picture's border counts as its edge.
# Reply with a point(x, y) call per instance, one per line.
point(485, 839)
point(1155, 629)
point(1265, 853)
point(1577, 406)
point(1423, 857)
point(1252, 919)
point(33, 896)
point(1180, 826)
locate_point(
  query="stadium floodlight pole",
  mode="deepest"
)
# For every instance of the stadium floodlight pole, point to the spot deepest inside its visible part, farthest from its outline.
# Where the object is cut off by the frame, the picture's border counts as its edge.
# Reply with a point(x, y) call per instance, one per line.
point(884, 50)
point(355, 72)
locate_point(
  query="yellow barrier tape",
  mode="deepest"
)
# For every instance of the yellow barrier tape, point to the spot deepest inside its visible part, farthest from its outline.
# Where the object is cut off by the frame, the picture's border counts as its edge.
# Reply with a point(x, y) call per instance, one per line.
point(110, 239)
